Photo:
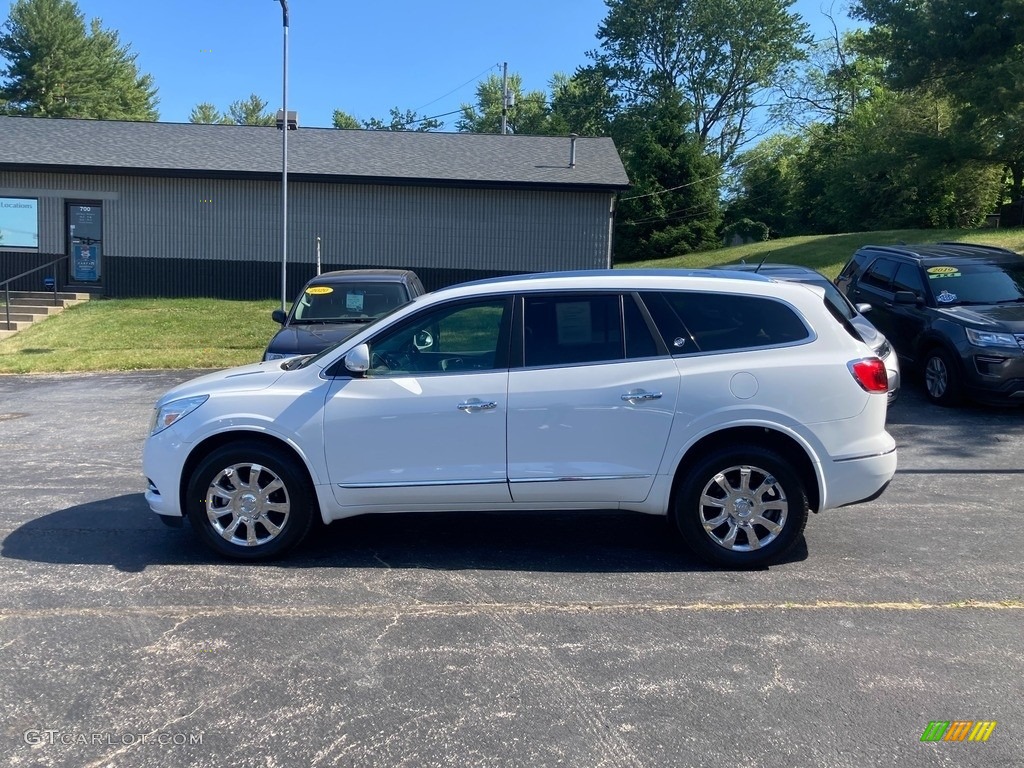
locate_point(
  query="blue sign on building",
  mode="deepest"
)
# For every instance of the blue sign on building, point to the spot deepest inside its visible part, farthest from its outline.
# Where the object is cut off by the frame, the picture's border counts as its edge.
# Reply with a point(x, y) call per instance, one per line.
point(84, 258)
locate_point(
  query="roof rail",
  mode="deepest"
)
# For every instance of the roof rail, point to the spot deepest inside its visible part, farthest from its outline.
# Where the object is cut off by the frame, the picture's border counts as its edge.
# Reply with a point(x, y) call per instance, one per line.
point(895, 248)
point(977, 245)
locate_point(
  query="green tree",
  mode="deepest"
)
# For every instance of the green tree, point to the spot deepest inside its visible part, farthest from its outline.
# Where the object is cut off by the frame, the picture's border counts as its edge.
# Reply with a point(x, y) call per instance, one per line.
point(207, 113)
point(59, 67)
point(768, 186)
point(828, 85)
point(972, 52)
point(673, 207)
point(582, 104)
point(722, 57)
point(403, 121)
point(251, 111)
point(527, 114)
point(898, 162)
point(345, 120)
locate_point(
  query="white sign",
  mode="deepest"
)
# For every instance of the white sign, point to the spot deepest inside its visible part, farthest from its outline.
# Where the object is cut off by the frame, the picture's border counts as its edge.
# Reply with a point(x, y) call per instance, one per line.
point(19, 222)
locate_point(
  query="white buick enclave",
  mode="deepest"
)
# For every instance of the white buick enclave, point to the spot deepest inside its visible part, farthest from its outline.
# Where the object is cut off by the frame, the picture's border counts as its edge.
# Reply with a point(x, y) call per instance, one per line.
point(733, 403)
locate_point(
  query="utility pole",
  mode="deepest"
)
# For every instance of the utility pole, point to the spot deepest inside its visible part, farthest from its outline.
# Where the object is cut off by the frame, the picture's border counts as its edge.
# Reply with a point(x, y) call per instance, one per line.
point(284, 161)
point(504, 98)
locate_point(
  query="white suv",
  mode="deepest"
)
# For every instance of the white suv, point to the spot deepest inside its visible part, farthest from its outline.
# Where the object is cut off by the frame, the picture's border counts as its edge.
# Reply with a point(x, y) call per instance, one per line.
point(733, 403)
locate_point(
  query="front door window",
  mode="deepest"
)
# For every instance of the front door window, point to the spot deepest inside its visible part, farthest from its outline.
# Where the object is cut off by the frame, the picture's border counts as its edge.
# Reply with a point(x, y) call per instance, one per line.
point(85, 236)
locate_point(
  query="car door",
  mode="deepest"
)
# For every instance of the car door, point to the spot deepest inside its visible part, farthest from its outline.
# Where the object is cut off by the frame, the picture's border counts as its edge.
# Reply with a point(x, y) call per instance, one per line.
point(875, 288)
point(591, 405)
point(906, 322)
point(425, 426)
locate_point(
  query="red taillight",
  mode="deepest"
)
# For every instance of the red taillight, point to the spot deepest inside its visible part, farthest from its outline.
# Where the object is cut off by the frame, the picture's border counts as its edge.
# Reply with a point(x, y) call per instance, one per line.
point(870, 374)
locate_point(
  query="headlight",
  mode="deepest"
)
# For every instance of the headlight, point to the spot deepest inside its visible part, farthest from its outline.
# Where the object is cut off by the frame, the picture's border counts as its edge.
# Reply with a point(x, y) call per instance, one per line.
point(275, 356)
point(991, 339)
point(171, 412)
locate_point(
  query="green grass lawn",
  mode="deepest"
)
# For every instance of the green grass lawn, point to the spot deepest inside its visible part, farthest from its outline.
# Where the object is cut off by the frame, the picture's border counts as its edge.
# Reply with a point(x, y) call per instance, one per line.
point(828, 253)
point(132, 334)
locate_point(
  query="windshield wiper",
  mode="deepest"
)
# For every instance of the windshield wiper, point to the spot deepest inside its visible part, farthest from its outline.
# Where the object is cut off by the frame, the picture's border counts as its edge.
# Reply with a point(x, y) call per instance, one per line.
point(294, 362)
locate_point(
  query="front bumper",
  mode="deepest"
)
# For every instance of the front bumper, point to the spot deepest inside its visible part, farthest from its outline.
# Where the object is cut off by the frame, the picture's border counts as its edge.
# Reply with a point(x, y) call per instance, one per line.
point(995, 375)
point(161, 456)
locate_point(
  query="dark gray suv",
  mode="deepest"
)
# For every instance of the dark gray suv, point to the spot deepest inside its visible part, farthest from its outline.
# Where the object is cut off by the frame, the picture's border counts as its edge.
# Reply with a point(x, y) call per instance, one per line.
point(953, 310)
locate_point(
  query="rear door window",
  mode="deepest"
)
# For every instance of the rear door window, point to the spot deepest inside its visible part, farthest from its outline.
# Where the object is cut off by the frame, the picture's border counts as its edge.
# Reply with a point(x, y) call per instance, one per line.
point(880, 274)
point(565, 329)
point(710, 322)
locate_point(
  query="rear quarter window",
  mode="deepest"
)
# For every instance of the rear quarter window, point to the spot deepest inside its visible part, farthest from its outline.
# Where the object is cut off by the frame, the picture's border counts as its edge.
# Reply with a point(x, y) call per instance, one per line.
point(715, 322)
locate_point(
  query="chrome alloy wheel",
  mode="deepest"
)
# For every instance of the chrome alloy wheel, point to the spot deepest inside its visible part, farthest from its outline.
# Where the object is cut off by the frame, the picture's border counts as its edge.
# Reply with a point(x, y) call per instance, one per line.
point(247, 504)
point(936, 376)
point(743, 508)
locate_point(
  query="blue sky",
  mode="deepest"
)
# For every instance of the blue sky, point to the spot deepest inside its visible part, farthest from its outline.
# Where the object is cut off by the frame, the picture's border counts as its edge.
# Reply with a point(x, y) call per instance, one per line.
point(361, 56)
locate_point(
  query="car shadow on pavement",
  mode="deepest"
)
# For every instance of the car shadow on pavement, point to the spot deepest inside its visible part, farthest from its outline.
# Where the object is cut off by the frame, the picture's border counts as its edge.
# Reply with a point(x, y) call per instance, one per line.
point(122, 532)
point(966, 432)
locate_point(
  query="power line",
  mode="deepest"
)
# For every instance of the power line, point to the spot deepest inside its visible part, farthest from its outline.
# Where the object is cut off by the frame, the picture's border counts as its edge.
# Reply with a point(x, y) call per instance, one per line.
point(457, 88)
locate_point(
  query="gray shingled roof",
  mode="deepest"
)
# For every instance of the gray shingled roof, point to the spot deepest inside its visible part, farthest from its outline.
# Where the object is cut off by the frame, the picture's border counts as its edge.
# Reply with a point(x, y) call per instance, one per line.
point(185, 148)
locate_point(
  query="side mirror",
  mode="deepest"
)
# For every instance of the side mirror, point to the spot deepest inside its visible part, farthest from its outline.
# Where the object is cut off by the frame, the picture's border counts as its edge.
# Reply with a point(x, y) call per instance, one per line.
point(357, 359)
point(906, 297)
point(278, 316)
point(863, 308)
point(423, 340)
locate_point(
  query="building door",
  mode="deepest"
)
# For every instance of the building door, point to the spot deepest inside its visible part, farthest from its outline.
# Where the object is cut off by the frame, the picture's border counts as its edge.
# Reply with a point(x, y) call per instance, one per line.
point(85, 242)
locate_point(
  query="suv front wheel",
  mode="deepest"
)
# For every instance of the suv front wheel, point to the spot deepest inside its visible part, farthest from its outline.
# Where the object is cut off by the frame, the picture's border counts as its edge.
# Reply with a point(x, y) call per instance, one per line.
point(942, 378)
point(742, 508)
point(250, 502)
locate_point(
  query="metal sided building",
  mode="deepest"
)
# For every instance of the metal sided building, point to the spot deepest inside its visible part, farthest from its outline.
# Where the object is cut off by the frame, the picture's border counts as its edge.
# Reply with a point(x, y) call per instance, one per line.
point(170, 209)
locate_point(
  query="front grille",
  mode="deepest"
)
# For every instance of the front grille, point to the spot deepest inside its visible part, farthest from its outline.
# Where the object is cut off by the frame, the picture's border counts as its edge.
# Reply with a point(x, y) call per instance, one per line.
point(1020, 339)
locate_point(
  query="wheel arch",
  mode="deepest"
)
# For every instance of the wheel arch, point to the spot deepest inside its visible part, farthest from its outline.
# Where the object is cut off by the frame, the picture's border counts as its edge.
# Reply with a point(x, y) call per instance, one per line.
point(249, 437)
point(765, 437)
point(931, 341)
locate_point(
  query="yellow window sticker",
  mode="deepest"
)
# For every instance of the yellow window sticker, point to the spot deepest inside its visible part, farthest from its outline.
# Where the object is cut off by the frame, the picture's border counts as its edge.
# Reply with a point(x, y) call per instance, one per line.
point(319, 290)
point(942, 270)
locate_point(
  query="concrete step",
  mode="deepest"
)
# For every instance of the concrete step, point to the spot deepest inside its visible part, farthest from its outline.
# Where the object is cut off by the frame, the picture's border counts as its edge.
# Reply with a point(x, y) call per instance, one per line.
point(23, 317)
point(28, 307)
point(14, 325)
point(46, 297)
point(33, 309)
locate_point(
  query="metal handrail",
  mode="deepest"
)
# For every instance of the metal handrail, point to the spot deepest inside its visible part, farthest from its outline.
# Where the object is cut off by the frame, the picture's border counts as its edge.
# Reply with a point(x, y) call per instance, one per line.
point(7, 285)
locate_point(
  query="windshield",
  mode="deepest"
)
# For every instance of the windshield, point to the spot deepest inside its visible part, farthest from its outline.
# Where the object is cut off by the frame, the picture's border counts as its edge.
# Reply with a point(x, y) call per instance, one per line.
point(976, 283)
point(347, 302)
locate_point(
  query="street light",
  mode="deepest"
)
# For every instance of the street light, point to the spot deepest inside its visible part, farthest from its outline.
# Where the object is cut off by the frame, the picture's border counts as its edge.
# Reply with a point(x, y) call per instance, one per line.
point(283, 124)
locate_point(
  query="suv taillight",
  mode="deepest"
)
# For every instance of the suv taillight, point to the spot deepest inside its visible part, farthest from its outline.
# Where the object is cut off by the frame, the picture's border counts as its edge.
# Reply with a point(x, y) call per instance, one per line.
point(870, 374)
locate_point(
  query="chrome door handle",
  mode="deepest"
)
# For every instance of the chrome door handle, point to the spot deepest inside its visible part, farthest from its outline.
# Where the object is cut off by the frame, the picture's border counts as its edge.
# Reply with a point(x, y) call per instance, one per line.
point(473, 405)
point(639, 395)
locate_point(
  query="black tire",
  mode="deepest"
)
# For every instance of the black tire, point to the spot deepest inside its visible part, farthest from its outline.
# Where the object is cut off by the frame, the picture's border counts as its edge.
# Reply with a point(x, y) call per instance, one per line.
point(247, 516)
point(942, 381)
point(763, 519)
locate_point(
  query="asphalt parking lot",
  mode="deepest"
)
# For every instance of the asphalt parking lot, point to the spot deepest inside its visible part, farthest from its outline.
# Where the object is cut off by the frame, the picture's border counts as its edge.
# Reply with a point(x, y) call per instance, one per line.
point(501, 640)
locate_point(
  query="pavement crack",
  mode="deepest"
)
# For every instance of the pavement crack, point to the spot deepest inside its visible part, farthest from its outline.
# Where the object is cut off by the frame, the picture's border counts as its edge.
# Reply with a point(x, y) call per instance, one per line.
point(470, 608)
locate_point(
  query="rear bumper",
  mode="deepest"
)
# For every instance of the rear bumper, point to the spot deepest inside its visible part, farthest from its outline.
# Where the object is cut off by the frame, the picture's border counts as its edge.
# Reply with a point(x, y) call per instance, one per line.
point(860, 479)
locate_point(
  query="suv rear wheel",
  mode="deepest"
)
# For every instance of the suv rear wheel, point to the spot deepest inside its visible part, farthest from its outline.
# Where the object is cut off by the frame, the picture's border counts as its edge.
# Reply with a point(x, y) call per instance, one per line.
point(742, 508)
point(942, 378)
